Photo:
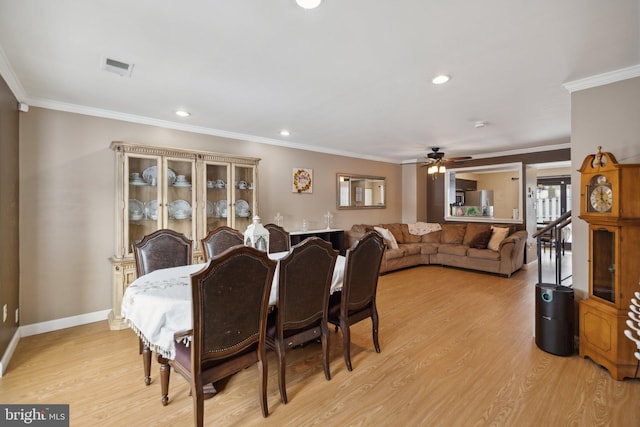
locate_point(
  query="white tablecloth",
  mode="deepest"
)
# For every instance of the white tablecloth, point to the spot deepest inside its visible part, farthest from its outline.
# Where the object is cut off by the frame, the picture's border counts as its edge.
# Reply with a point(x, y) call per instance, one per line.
point(158, 304)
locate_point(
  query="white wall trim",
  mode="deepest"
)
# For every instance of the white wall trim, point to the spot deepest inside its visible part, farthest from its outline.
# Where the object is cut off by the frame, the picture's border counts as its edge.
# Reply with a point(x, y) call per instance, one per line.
point(49, 326)
point(66, 322)
point(6, 357)
point(603, 79)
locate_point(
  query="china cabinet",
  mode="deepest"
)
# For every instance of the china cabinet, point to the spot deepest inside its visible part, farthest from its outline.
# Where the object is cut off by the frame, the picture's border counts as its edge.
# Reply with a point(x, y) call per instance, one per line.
point(188, 191)
point(609, 203)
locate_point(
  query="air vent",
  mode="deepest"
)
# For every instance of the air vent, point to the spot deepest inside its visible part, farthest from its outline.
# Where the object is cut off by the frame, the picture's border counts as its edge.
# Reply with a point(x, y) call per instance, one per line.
point(119, 67)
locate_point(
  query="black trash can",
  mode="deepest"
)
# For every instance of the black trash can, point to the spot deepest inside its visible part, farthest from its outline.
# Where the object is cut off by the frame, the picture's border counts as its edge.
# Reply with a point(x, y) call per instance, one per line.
point(554, 319)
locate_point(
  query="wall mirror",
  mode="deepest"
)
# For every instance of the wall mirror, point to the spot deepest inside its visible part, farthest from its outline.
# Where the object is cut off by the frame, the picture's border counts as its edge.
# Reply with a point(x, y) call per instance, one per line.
point(360, 191)
point(484, 193)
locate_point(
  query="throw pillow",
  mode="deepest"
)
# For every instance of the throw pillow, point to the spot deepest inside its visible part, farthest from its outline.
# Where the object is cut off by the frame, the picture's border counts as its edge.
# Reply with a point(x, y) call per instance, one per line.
point(473, 230)
point(498, 234)
point(396, 230)
point(388, 237)
point(481, 239)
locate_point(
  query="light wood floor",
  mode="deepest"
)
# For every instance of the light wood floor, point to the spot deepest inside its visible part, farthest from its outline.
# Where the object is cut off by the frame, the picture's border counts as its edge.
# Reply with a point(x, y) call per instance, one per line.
point(457, 350)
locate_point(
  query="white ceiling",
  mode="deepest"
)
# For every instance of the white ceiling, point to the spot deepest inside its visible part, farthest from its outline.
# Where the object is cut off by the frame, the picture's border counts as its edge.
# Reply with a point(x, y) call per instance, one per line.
point(351, 77)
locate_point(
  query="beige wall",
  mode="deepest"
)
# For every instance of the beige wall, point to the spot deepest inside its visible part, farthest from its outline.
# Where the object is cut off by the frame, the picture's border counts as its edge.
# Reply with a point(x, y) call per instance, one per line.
point(67, 201)
point(607, 116)
point(9, 215)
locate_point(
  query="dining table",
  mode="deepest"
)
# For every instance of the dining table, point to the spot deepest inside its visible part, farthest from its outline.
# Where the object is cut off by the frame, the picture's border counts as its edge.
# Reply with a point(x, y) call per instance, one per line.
point(158, 304)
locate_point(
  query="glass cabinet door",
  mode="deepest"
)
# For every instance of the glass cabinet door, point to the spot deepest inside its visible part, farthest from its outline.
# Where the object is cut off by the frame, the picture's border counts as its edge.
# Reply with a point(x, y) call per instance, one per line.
point(603, 263)
point(160, 195)
point(179, 201)
point(244, 196)
point(142, 201)
point(217, 195)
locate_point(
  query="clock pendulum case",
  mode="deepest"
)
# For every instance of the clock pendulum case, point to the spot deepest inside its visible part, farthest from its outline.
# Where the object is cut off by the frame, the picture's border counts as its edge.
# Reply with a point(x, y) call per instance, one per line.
point(610, 204)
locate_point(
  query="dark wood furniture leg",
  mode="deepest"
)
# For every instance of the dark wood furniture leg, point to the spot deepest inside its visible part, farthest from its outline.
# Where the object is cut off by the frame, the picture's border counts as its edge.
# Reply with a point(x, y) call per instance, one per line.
point(165, 370)
point(146, 361)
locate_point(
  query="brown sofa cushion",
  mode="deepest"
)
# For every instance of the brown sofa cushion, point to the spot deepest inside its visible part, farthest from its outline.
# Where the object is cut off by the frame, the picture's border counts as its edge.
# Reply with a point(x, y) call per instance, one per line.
point(477, 235)
point(453, 233)
point(396, 230)
point(408, 237)
point(433, 237)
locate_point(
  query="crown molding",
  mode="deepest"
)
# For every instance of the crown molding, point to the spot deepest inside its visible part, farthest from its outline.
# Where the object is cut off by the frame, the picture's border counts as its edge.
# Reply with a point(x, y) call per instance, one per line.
point(115, 115)
point(6, 72)
point(603, 79)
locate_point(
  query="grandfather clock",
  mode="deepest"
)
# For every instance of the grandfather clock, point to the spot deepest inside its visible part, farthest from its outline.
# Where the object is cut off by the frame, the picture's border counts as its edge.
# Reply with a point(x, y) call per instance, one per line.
point(610, 203)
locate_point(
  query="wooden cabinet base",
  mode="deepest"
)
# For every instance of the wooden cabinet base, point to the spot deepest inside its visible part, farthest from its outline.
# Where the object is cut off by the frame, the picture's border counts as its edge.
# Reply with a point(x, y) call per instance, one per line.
point(602, 338)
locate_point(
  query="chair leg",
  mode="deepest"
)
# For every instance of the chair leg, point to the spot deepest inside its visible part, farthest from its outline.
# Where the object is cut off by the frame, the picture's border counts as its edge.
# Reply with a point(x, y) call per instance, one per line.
point(165, 370)
point(146, 362)
point(263, 370)
point(198, 405)
point(346, 343)
point(325, 350)
point(374, 322)
point(280, 352)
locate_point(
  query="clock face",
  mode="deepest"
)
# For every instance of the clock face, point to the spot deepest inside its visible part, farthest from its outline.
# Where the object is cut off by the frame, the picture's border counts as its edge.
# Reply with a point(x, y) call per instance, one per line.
point(601, 198)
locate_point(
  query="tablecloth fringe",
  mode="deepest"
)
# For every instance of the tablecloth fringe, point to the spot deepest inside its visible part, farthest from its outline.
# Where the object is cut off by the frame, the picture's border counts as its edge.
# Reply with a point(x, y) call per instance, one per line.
point(154, 347)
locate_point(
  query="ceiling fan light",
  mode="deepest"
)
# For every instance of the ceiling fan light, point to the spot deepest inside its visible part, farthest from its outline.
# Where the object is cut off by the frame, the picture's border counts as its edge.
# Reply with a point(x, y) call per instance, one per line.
point(442, 169)
point(308, 4)
point(432, 169)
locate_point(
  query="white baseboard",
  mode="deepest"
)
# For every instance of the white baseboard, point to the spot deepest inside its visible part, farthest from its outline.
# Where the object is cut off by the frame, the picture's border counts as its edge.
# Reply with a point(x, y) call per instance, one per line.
point(49, 326)
point(6, 357)
point(65, 322)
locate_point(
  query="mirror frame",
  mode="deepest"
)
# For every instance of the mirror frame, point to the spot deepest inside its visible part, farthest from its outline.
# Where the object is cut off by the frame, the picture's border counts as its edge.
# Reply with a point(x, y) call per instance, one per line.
point(450, 193)
point(340, 178)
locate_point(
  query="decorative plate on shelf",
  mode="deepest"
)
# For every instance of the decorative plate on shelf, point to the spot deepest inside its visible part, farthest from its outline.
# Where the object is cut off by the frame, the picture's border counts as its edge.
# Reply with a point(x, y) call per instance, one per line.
point(180, 209)
point(242, 205)
point(150, 175)
point(151, 209)
point(136, 209)
point(220, 183)
point(211, 209)
point(221, 208)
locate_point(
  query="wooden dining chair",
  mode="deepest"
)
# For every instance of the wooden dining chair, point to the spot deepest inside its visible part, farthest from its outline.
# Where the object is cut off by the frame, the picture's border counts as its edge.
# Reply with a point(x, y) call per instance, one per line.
point(219, 240)
point(163, 248)
point(300, 315)
point(230, 300)
point(278, 238)
point(357, 299)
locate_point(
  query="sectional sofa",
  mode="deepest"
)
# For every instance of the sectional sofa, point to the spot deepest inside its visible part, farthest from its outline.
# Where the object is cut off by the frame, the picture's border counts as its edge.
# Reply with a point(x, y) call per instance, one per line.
point(493, 248)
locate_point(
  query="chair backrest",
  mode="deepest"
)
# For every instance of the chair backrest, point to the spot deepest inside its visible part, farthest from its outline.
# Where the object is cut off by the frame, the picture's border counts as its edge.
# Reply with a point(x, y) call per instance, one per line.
point(219, 240)
point(162, 249)
point(278, 238)
point(362, 267)
point(230, 304)
point(304, 282)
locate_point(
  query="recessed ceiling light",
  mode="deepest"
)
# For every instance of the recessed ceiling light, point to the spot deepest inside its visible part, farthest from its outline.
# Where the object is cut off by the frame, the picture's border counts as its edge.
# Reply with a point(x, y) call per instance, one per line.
point(285, 132)
point(309, 4)
point(440, 79)
point(182, 113)
point(480, 124)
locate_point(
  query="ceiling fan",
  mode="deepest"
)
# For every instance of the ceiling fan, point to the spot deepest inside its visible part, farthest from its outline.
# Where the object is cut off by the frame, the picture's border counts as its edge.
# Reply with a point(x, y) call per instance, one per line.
point(435, 161)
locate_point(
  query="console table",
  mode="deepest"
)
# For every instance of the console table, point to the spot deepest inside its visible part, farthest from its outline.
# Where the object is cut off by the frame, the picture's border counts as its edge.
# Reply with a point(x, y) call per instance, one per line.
point(335, 236)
